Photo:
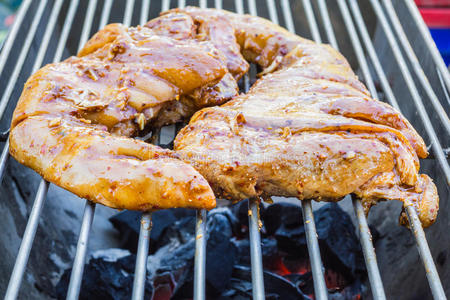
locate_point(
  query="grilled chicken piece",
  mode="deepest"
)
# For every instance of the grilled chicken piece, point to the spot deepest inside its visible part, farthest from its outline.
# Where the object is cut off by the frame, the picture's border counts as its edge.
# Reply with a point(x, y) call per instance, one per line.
point(307, 129)
point(74, 119)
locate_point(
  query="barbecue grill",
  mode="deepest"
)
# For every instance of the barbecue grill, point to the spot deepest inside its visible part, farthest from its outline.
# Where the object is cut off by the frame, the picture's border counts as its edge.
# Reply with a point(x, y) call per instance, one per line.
point(432, 121)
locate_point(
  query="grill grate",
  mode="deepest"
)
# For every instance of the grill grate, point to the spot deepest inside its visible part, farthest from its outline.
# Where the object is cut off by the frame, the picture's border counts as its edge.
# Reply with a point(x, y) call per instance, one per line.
point(255, 246)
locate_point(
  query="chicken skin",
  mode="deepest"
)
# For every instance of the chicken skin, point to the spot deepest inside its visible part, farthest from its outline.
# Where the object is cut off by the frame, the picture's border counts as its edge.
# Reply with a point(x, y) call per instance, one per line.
point(307, 128)
point(75, 119)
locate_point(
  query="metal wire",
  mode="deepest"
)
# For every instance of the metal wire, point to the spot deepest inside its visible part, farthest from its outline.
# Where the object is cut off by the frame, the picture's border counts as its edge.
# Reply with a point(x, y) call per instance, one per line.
point(320, 288)
point(327, 23)
point(128, 13)
point(376, 284)
point(89, 209)
point(6, 47)
point(27, 241)
point(358, 49)
point(364, 232)
point(416, 64)
point(144, 12)
point(22, 56)
point(140, 270)
point(76, 275)
point(28, 237)
point(424, 251)
point(200, 255)
point(429, 42)
point(255, 250)
point(436, 145)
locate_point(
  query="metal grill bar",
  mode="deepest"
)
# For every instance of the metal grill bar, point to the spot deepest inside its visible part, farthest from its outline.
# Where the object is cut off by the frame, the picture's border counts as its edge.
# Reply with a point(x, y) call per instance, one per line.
point(423, 29)
point(200, 255)
point(412, 88)
point(144, 12)
point(22, 56)
point(140, 270)
point(417, 229)
point(320, 288)
point(416, 65)
point(376, 284)
point(76, 275)
point(432, 275)
point(257, 271)
point(6, 47)
point(364, 232)
point(255, 250)
point(25, 246)
point(30, 231)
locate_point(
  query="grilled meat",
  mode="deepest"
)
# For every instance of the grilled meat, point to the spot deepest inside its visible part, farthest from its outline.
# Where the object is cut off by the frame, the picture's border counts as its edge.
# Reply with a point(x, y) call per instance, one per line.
point(307, 129)
point(74, 119)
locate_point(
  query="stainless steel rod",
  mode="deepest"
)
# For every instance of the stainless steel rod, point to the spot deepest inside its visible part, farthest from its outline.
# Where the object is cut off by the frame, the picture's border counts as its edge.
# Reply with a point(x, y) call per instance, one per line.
point(22, 56)
point(200, 255)
point(429, 42)
point(420, 236)
point(4, 159)
point(373, 56)
point(65, 31)
point(365, 237)
point(76, 275)
point(327, 24)
point(320, 288)
point(358, 48)
point(272, 11)
point(239, 4)
point(47, 35)
point(107, 11)
point(311, 21)
point(288, 15)
point(144, 12)
point(218, 4)
point(27, 241)
point(424, 251)
point(436, 145)
point(255, 250)
point(7, 45)
point(252, 7)
point(128, 12)
point(26, 244)
point(376, 284)
point(165, 5)
point(140, 270)
point(87, 24)
point(416, 64)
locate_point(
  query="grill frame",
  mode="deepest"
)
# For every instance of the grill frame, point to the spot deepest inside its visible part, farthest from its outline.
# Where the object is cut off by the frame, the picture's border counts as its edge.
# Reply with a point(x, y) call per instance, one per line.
point(256, 259)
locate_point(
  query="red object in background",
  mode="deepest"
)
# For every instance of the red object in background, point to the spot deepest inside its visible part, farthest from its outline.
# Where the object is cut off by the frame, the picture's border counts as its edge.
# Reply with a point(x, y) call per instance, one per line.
point(433, 3)
point(435, 13)
point(436, 17)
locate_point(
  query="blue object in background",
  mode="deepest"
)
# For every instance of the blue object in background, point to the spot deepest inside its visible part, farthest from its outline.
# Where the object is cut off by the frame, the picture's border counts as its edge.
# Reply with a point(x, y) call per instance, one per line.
point(441, 37)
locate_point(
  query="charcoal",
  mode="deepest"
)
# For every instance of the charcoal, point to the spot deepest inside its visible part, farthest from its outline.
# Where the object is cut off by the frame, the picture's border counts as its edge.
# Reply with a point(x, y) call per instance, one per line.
point(105, 278)
point(128, 225)
point(338, 239)
point(282, 214)
point(240, 210)
point(268, 249)
point(276, 287)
